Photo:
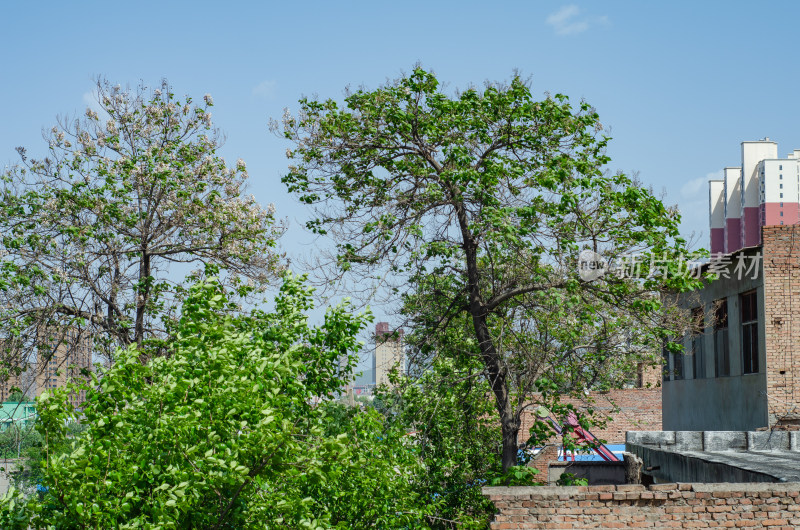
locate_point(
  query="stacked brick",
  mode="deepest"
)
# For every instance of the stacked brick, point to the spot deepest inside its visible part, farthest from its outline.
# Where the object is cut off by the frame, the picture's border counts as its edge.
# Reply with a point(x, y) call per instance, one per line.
point(781, 268)
point(725, 505)
point(548, 455)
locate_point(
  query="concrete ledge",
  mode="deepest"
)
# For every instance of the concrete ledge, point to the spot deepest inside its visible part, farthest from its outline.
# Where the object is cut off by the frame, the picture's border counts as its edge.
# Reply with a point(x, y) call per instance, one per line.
point(718, 456)
point(766, 440)
point(725, 441)
point(717, 440)
point(650, 437)
point(688, 441)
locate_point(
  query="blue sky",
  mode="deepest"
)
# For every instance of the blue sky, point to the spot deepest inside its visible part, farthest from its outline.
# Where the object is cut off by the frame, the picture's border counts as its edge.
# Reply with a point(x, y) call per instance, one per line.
point(680, 84)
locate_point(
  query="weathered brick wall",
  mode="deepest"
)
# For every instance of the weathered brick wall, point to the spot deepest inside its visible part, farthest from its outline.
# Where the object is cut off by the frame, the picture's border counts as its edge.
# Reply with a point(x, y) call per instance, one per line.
point(639, 410)
point(547, 456)
point(762, 505)
point(649, 376)
point(781, 268)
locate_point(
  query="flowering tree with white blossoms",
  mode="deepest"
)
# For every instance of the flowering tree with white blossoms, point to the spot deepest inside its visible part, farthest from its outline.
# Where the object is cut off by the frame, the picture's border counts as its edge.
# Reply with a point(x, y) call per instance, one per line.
point(89, 231)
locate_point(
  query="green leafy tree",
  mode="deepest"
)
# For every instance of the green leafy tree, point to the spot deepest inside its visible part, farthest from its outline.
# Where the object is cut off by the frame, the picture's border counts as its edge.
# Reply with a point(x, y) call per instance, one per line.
point(90, 231)
point(481, 203)
point(17, 440)
point(383, 486)
point(448, 412)
point(225, 432)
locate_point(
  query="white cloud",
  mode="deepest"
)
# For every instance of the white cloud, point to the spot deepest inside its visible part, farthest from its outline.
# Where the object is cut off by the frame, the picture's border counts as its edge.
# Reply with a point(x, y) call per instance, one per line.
point(697, 189)
point(90, 99)
point(693, 205)
point(265, 89)
point(568, 20)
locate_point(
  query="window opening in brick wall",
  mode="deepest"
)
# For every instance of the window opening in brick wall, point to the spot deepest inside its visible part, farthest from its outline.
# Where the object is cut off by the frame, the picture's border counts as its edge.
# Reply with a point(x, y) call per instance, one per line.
point(749, 305)
point(698, 351)
point(677, 366)
point(722, 346)
point(675, 371)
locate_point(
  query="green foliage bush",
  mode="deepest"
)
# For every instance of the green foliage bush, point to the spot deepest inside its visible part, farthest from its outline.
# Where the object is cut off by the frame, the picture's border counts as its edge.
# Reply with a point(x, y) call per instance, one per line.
point(449, 410)
point(226, 431)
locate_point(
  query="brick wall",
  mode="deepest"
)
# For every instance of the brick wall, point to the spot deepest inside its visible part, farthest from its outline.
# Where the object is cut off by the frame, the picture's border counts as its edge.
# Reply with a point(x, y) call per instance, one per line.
point(649, 376)
point(781, 268)
point(762, 505)
point(548, 455)
point(639, 410)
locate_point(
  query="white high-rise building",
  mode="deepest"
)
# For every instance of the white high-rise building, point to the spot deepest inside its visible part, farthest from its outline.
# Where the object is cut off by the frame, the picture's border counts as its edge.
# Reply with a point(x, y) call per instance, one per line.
point(732, 238)
point(764, 191)
point(753, 153)
point(389, 353)
point(716, 212)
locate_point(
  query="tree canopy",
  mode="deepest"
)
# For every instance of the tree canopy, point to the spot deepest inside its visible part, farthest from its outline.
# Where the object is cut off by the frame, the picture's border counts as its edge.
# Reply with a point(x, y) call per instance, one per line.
point(90, 230)
point(479, 204)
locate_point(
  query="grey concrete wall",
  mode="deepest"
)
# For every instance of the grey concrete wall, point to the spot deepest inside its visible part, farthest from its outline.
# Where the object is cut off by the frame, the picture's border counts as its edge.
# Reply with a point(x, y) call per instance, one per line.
point(712, 441)
point(666, 466)
point(718, 456)
point(735, 402)
point(726, 403)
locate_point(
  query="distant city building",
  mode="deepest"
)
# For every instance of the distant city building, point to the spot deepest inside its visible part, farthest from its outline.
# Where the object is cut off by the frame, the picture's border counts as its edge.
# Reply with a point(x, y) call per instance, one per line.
point(24, 382)
point(363, 390)
point(19, 376)
point(62, 358)
point(389, 353)
point(7, 382)
point(763, 191)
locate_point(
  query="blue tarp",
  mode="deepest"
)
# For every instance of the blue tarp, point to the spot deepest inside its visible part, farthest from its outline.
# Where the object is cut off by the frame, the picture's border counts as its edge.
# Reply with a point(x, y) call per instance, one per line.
point(591, 456)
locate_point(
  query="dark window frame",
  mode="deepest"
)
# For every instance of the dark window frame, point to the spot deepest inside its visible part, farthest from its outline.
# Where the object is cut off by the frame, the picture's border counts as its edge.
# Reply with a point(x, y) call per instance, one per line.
point(722, 344)
point(748, 303)
point(698, 348)
point(678, 372)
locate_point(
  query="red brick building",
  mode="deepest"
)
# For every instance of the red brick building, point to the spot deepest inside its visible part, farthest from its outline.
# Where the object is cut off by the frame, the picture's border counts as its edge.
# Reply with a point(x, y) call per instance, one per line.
point(630, 409)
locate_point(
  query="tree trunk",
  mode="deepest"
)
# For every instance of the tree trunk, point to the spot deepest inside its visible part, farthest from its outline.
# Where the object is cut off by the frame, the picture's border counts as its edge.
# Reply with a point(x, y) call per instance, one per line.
point(510, 429)
point(509, 420)
point(142, 296)
point(496, 371)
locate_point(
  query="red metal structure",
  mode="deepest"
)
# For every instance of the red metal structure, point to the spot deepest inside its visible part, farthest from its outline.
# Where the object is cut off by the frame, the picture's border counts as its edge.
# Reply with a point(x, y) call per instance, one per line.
point(582, 437)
